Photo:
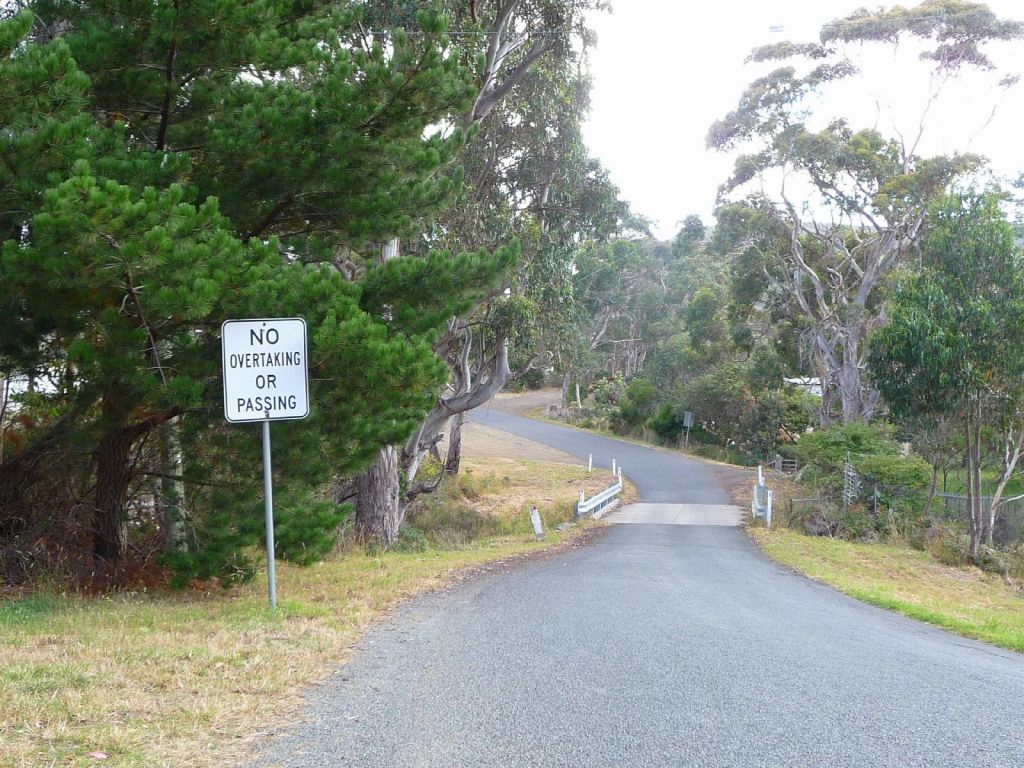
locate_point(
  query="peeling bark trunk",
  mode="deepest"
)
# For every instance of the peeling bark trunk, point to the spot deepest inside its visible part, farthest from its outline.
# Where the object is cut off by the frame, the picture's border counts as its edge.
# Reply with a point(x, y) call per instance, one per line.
point(379, 512)
point(833, 293)
point(1014, 445)
point(453, 459)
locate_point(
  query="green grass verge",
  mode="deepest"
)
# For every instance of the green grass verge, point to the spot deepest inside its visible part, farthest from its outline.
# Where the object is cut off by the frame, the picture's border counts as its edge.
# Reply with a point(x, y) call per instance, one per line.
point(963, 600)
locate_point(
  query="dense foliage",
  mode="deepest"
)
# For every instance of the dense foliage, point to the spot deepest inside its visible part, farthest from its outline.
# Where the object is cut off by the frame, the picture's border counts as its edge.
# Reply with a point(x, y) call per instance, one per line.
point(171, 165)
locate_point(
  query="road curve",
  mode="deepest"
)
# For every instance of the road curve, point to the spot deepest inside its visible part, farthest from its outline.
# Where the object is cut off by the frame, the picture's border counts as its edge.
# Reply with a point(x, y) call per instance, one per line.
point(659, 646)
point(659, 476)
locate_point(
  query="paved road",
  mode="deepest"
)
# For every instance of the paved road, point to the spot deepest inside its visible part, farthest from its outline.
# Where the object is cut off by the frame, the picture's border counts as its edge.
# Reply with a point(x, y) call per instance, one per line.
point(659, 476)
point(659, 646)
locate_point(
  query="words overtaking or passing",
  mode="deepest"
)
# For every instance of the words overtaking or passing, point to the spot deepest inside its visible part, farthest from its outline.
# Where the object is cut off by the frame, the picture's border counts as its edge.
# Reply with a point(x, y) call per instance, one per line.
point(265, 369)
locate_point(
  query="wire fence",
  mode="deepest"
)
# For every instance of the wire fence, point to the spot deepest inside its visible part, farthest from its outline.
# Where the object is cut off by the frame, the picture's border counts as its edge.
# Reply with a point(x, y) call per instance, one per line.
point(885, 502)
point(1009, 521)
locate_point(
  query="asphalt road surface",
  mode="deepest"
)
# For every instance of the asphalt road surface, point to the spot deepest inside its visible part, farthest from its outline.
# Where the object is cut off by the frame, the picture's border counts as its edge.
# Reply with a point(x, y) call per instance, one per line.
point(659, 645)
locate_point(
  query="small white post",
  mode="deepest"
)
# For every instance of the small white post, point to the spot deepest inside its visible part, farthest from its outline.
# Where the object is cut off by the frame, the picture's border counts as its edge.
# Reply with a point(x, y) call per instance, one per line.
point(620, 475)
point(613, 466)
point(590, 463)
point(760, 475)
point(538, 527)
point(768, 512)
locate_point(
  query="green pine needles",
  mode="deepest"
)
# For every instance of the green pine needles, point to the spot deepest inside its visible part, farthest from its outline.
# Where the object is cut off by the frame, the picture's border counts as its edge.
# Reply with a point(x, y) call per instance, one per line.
point(167, 166)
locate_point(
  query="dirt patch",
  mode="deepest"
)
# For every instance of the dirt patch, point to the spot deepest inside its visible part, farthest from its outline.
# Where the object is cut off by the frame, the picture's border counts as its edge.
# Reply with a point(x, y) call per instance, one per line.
point(738, 482)
point(521, 403)
point(480, 442)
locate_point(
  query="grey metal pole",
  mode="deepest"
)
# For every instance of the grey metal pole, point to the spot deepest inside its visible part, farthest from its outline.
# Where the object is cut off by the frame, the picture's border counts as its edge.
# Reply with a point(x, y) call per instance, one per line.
point(268, 506)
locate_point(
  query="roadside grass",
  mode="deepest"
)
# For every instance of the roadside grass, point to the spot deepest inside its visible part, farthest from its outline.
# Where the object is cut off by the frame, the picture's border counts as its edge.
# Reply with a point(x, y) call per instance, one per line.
point(964, 600)
point(199, 678)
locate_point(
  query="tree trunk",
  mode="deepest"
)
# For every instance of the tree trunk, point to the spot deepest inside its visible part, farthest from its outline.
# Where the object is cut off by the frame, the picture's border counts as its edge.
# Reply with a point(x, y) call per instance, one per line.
point(172, 490)
point(566, 381)
point(1014, 445)
point(454, 457)
point(974, 514)
point(113, 475)
point(931, 490)
point(850, 392)
point(379, 511)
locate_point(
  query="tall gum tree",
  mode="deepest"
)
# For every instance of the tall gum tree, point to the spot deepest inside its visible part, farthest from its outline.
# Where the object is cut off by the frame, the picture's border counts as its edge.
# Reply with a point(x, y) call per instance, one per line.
point(527, 179)
point(834, 209)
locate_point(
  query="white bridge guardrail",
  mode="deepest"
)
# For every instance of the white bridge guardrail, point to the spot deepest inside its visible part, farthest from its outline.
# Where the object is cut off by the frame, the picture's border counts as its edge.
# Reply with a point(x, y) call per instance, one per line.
point(598, 504)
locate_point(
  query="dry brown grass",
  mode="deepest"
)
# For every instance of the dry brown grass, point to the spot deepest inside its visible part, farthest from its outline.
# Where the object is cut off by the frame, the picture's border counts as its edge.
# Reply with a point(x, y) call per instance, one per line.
point(197, 679)
point(516, 485)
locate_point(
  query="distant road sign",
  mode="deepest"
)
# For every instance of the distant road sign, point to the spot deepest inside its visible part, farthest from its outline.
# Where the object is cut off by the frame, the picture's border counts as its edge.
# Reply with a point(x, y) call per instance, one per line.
point(266, 374)
point(687, 419)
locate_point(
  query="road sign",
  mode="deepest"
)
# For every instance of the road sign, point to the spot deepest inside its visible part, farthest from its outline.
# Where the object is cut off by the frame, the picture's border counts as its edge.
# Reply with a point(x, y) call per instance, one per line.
point(266, 378)
point(687, 418)
point(266, 375)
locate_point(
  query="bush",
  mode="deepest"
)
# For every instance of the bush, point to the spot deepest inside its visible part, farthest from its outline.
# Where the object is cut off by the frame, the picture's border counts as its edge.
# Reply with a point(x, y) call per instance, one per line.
point(828, 448)
point(719, 401)
point(411, 539)
point(602, 406)
point(635, 406)
point(666, 423)
point(946, 543)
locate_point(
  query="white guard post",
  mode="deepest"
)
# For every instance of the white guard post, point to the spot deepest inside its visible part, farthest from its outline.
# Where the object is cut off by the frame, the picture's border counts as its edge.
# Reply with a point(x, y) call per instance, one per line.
point(538, 527)
point(266, 378)
point(761, 505)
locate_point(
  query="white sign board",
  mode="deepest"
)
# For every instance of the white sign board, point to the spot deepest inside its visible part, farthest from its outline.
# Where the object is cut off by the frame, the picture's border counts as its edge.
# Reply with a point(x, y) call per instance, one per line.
point(265, 369)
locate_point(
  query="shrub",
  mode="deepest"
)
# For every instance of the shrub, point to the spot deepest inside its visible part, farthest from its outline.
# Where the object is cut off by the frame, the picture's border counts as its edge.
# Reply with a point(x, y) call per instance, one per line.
point(910, 472)
point(411, 539)
point(666, 423)
point(828, 448)
point(719, 401)
point(635, 406)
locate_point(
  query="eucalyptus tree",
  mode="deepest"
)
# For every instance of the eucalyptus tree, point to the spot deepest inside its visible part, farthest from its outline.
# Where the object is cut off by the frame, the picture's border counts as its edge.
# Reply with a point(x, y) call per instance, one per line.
point(868, 192)
point(527, 177)
point(953, 348)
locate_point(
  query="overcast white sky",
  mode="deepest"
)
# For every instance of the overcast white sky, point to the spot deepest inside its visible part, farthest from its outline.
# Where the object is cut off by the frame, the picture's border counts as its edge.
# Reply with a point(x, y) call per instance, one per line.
point(665, 70)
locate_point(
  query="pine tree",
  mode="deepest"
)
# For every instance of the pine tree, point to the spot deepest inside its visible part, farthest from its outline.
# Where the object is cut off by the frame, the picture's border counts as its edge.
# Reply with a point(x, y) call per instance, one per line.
point(233, 156)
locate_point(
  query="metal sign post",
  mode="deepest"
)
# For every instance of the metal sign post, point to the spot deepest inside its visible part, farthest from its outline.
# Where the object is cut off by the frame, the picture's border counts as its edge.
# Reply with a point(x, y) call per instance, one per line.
point(268, 513)
point(266, 378)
